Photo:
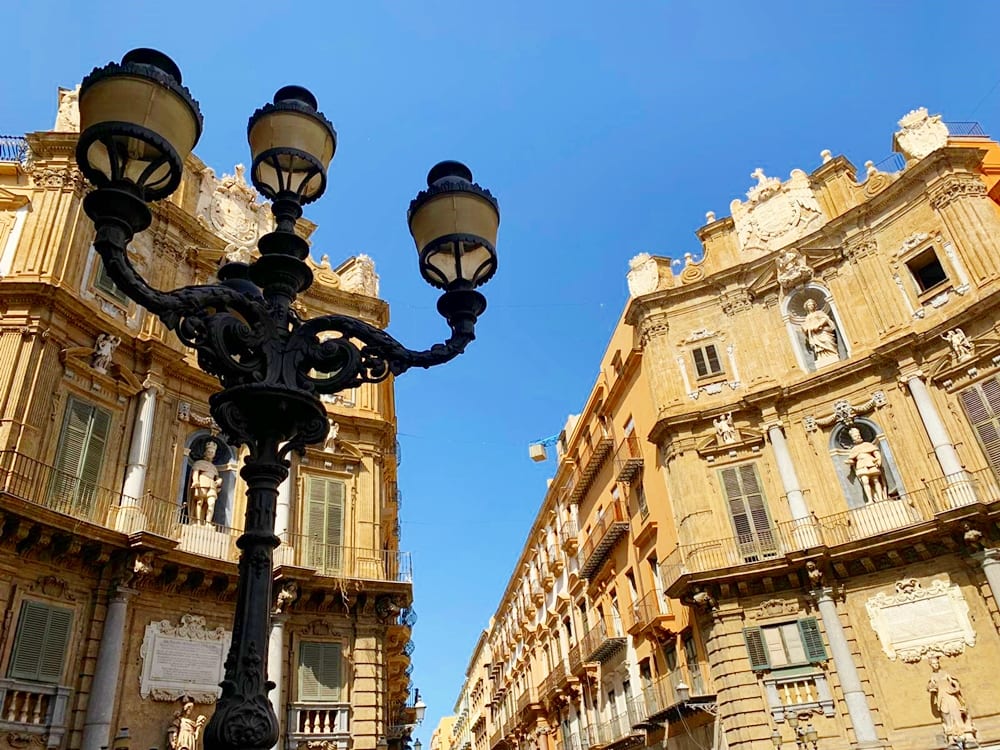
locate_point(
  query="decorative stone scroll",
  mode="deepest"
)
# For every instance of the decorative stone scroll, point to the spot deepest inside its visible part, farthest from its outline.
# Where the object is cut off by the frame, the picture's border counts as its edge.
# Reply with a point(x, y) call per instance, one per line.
point(183, 659)
point(916, 622)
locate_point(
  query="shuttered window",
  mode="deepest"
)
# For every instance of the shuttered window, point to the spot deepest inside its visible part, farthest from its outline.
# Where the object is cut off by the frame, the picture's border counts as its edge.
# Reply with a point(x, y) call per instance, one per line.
point(104, 282)
point(80, 456)
point(320, 672)
point(40, 644)
point(982, 406)
point(755, 537)
point(706, 361)
point(324, 523)
point(786, 645)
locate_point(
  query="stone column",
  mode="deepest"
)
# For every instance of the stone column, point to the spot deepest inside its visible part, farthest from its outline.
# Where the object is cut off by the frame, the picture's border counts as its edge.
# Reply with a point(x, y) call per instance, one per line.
point(804, 532)
point(850, 681)
point(960, 490)
point(132, 518)
point(282, 512)
point(104, 688)
point(276, 667)
point(970, 217)
point(989, 558)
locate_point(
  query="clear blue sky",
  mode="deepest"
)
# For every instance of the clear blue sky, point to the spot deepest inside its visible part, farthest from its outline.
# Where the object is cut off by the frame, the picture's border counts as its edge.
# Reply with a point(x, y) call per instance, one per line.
point(605, 129)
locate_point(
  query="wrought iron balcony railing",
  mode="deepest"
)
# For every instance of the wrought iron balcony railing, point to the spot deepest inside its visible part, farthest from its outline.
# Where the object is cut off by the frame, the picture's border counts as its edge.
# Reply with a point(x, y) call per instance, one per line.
point(628, 459)
point(601, 642)
point(13, 148)
point(650, 611)
point(608, 529)
point(592, 456)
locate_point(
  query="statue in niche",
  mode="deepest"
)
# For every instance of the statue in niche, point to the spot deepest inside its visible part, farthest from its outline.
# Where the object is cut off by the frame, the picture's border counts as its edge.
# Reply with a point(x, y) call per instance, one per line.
point(820, 334)
point(866, 460)
point(946, 692)
point(961, 345)
point(725, 431)
point(184, 728)
point(203, 491)
point(104, 349)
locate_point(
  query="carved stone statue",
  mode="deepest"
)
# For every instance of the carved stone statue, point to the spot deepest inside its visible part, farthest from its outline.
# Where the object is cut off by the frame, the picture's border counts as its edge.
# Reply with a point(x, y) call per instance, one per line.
point(330, 446)
point(866, 460)
point(185, 729)
point(815, 575)
point(792, 269)
point(104, 350)
point(288, 593)
point(68, 114)
point(946, 691)
point(205, 485)
point(725, 431)
point(820, 334)
point(961, 345)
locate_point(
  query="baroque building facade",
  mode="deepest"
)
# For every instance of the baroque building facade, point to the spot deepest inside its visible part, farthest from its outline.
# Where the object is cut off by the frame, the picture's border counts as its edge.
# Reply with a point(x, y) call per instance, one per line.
point(120, 503)
point(776, 516)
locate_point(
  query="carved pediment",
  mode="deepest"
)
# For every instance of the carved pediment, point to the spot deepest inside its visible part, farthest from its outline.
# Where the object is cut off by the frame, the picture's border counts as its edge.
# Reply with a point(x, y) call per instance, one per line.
point(747, 443)
point(957, 367)
point(78, 362)
point(11, 201)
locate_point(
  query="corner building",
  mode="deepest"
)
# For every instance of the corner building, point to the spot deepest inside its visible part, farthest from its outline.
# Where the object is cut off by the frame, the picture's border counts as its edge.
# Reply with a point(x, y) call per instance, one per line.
point(116, 601)
point(777, 513)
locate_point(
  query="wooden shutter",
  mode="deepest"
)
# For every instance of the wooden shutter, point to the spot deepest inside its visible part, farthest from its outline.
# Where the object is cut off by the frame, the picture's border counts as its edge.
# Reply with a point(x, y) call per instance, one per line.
point(80, 454)
point(42, 638)
point(748, 510)
point(982, 406)
point(700, 365)
point(714, 366)
point(319, 672)
point(325, 522)
point(812, 640)
point(756, 649)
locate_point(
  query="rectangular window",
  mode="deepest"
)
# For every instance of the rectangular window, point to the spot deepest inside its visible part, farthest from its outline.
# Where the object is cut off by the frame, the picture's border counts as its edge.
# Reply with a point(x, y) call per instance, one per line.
point(640, 498)
point(927, 270)
point(105, 283)
point(706, 361)
point(324, 523)
point(41, 642)
point(755, 537)
point(79, 457)
point(693, 667)
point(789, 644)
point(982, 407)
point(320, 671)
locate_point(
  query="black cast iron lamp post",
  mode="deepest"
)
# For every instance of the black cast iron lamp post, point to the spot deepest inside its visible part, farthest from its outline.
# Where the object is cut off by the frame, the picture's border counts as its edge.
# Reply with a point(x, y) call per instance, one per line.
point(138, 123)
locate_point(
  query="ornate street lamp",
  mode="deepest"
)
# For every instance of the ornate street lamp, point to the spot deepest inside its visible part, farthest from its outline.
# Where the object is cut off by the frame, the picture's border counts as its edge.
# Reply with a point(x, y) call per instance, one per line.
point(138, 123)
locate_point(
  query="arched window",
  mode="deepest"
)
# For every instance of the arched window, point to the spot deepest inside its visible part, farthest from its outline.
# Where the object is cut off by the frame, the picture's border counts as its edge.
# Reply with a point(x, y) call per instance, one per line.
point(864, 464)
point(814, 327)
point(224, 460)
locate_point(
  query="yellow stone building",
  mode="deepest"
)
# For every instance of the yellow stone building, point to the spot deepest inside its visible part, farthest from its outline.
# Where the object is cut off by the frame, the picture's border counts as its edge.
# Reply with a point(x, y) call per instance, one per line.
point(775, 518)
point(116, 591)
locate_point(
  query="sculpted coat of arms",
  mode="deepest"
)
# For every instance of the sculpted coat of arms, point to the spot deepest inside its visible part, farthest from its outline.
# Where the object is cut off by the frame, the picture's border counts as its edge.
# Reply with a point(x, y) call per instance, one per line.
point(776, 213)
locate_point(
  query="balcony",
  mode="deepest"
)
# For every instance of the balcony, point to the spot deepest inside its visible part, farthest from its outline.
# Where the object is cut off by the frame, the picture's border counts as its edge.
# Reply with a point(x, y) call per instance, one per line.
point(550, 685)
point(526, 699)
point(599, 644)
point(609, 528)
point(628, 460)
point(33, 709)
point(592, 456)
point(660, 699)
point(312, 722)
point(570, 537)
point(618, 732)
point(13, 148)
point(929, 509)
point(649, 612)
point(575, 658)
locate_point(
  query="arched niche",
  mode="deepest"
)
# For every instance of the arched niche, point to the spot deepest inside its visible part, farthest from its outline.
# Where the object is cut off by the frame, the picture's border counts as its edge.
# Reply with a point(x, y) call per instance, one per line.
point(225, 461)
point(814, 327)
point(841, 445)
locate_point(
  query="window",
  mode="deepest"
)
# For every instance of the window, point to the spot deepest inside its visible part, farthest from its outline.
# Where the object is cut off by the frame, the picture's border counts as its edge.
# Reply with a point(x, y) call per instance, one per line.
point(319, 672)
point(786, 645)
point(982, 406)
point(693, 665)
point(927, 270)
point(105, 283)
point(640, 497)
point(79, 457)
point(706, 361)
point(748, 511)
point(40, 644)
point(616, 364)
point(324, 523)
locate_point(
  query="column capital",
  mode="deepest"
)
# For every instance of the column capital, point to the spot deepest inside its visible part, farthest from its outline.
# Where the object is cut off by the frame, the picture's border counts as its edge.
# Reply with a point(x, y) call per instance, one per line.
point(121, 593)
point(987, 557)
point(279, 619)
point(151, 383)
point(909, 374)
point(774, 423)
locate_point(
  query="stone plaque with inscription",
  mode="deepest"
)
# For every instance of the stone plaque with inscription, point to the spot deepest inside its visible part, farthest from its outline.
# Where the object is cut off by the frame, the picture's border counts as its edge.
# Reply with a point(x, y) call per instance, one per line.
point(915, 621)
point(183, 659)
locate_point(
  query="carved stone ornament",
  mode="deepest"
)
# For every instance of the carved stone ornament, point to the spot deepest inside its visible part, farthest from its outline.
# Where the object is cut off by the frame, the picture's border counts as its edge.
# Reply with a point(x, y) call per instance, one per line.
point(651, 326)
point(920, 134)
point(358, 275)
point(775, 213)
point(57, 588)
point(231, 208)
point(68, 114)
point(792, 269)
point(957, 186)
point(773, 608)
point(181, 659)
point(643, 275)
point(184, 414)
point(22, 740)
point(917, 622)
point(104, 349)
point(844, 412)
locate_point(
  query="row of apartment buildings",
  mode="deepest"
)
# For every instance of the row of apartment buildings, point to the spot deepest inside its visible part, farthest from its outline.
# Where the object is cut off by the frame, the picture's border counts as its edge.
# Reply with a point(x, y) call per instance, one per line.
point(116, 592)
point(775, 517)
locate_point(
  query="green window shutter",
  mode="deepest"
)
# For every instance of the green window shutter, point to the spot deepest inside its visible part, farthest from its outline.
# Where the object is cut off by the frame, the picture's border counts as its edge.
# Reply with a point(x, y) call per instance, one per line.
point(812, 639)
point(982, 406)
point(40, 646)
point(756, 649)
point(319, 672)
point(324, 522)
point(80, 454)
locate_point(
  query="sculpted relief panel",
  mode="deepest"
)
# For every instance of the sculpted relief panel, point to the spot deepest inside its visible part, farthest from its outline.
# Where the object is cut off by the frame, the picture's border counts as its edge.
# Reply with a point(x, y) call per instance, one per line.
point(776, 213)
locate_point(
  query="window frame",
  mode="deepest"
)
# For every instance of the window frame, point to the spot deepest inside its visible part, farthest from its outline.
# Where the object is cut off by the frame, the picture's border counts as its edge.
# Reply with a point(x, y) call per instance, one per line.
point(44, 650)
point(810, 640)
point(338, 693)
point(709, 374)
point(925, 252)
